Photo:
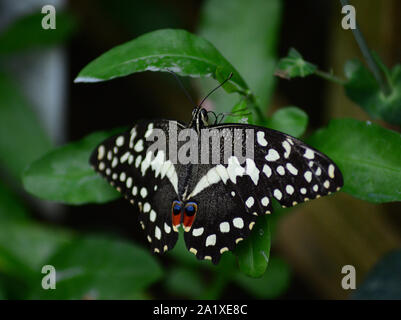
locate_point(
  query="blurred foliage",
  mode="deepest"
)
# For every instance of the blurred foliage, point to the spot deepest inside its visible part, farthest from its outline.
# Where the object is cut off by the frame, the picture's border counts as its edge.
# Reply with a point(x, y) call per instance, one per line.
point(98, 267)
point(383, 282)
point(290, 120)
point(250, 45)
point(363, 89)
point(23, 139)
point(271, 284)
point(95, 267)
point(138, 17)
point(26, 246)
point(11, 207)
point(24, 34)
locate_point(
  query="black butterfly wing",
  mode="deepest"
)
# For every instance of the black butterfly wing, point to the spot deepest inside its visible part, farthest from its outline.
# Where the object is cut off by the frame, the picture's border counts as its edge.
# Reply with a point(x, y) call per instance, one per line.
point(232, 194)
point(220, 224)
point(144, 176)
point(287, 169)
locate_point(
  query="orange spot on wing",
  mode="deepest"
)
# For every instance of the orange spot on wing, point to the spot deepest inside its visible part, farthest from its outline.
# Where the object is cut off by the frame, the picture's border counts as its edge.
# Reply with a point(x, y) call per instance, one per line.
point(188, 220)
point(176, 219)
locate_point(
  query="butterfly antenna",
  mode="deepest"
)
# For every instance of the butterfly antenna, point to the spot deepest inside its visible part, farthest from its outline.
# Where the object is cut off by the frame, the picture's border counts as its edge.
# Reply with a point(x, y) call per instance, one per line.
point(182, 87)
point(221, 84)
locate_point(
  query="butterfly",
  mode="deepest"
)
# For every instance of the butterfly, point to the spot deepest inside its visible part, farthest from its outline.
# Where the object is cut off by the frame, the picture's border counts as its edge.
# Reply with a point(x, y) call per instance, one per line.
point(218, 200)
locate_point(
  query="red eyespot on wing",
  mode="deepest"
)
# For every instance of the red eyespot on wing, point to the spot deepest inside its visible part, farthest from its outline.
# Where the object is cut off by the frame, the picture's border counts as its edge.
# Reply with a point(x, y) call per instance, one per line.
point(188, 220)
point(189, 217)
point(176, 216)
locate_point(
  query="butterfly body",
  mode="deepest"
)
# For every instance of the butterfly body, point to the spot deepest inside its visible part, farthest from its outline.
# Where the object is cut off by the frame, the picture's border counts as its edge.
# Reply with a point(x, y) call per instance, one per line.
point(205, 184)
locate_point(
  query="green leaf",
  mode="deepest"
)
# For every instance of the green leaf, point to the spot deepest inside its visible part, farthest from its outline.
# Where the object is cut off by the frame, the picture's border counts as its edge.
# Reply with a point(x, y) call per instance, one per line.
point(25, 247)
point(272, 284)
point(383, 281)
point(95, 267)
point(294, 65)
point(64, 174)
point(253, 253)
point(177, 50)
point(367, 155)
point(363, 89)
point(250, 45)
point(11, 207)
point(27, 33)
point(184, 282)
point(290, 120)
point(240, 113)
point(23, 139)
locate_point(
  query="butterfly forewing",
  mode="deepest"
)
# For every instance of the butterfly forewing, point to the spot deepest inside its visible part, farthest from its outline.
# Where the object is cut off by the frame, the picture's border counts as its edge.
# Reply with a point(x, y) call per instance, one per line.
point(147, 179)
point(286, 169)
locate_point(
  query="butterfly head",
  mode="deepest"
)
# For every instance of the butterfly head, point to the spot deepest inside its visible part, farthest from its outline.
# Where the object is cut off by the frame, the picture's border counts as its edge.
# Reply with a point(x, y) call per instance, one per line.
point(199, 119)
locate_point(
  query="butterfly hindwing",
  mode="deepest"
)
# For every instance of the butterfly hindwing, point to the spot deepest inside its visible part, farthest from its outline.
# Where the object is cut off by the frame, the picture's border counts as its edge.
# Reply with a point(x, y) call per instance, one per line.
point(220, 225)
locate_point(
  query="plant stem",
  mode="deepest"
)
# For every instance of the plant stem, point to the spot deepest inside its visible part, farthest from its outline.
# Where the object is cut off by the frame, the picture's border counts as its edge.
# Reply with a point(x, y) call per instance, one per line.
point(330, 77)
point(373, 66)
point(259, 115)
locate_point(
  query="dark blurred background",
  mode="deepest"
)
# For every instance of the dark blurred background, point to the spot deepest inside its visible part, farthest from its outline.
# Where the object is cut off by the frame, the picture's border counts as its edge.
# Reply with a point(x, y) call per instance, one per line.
point(316, 239)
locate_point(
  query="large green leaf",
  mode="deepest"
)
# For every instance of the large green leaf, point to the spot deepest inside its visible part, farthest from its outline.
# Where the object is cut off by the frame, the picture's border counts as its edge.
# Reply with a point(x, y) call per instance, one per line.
point(27, 33)
point(368, 156)
point(363, 89)
point(95, 267)
point(22, 137)
point(176, 50)
point(290, 120)
point(245, 32)
point(64, 174)
point(383, 282)
point(253, 253)
point(271, 285)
